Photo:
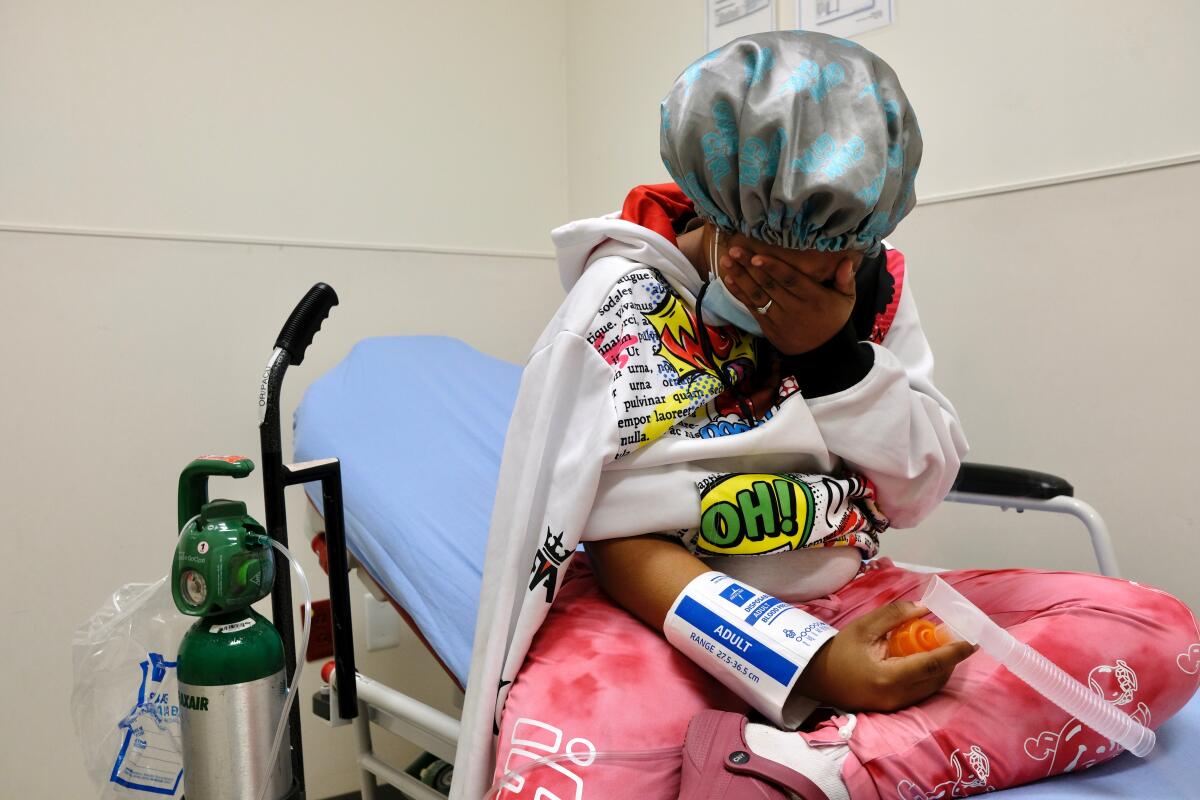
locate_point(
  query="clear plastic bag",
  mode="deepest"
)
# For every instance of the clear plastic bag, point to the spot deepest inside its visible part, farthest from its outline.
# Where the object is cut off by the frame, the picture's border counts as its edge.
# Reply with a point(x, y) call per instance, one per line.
point(125, 699)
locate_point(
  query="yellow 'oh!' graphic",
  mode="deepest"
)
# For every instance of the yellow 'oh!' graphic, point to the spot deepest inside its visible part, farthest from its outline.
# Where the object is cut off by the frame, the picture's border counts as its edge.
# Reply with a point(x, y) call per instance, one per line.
point(749, 514)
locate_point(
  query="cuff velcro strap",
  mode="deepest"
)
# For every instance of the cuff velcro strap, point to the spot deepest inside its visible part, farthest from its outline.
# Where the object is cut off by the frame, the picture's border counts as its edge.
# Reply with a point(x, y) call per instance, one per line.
point(753, 643)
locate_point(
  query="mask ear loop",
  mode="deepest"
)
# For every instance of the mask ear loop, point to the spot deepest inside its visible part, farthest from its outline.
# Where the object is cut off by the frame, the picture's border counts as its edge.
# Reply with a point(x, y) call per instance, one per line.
point(706, 341)
point(713, 253)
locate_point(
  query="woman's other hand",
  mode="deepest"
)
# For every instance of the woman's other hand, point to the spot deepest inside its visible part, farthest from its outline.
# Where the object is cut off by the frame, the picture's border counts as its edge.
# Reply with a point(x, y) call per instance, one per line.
point(811, 294)
point(853, 671)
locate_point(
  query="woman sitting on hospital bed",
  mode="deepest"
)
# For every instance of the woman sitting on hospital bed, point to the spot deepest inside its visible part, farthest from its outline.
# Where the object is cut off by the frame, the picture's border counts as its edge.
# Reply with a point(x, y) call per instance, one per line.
point(734, 402)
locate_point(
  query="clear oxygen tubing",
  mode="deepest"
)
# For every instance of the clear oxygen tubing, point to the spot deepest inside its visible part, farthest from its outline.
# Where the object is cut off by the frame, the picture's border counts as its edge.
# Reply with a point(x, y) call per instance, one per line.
point(583, 759)
point(969, 622)
point(281, 728)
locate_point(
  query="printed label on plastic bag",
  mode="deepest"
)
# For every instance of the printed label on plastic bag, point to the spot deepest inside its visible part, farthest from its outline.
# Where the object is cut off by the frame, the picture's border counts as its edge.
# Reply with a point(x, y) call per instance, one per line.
point(149, 758)
point(124, 701)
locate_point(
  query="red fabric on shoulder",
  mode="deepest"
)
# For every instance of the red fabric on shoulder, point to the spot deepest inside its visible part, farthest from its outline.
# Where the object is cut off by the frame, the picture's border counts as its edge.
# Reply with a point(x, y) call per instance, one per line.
point(657, 206)
point(884, 320)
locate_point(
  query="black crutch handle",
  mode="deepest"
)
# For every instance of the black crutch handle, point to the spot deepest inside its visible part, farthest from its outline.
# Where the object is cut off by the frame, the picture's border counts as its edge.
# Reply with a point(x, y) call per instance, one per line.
point(305, 320)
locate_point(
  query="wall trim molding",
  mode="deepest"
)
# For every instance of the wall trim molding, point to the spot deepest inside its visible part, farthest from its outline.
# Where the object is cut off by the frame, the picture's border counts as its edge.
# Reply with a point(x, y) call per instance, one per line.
point(1058, 180)
point(487, 252)
point(264, 241)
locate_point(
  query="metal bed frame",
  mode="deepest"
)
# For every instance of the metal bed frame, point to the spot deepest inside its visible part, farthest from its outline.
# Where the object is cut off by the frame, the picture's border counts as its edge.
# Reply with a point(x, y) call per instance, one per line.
point(352, 698)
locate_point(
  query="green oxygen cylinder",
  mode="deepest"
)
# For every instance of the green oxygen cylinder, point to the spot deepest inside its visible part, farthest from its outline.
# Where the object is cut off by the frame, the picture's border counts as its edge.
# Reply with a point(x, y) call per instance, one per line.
point(232, 682)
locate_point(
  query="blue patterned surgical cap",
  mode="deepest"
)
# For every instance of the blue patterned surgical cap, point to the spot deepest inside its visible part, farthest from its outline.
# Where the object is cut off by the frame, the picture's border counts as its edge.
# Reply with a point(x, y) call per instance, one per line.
point(796, 139)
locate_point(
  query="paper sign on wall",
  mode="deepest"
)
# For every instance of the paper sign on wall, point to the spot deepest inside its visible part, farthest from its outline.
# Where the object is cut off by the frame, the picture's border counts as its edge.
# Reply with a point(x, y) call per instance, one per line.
point(726, 20)
point(845, 18)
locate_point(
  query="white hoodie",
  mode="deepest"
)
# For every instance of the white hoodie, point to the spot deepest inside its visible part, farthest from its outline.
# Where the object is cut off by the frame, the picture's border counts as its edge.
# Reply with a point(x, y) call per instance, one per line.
point(622, 428)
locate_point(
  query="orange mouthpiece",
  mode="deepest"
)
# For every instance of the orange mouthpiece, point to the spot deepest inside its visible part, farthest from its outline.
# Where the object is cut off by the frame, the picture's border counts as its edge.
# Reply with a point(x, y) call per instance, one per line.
point(917, 636)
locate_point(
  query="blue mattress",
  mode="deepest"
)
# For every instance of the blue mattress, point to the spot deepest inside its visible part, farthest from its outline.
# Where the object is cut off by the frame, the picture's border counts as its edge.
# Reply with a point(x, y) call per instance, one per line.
point(419, 424)
point(1172, 770)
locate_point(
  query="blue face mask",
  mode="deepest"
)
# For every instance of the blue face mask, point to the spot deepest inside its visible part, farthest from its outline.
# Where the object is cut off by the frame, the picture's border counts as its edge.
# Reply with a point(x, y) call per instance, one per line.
point(720, 306)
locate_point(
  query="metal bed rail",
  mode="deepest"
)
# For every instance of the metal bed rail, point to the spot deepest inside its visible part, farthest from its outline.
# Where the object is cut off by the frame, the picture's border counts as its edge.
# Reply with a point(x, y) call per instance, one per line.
point(1106, 558)
point(1027, 490)
point(430, 729)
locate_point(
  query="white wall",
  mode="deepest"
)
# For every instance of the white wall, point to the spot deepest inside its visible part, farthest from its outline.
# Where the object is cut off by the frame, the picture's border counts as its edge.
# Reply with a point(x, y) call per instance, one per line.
point(391, 124)
point(617, 73)
point(418, 123)
point(1006, 92)
point(1021, 90)
point(1060, 315)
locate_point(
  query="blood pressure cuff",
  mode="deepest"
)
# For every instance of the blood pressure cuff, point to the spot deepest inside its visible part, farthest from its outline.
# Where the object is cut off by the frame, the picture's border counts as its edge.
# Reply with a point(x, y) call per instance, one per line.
point(756, 645)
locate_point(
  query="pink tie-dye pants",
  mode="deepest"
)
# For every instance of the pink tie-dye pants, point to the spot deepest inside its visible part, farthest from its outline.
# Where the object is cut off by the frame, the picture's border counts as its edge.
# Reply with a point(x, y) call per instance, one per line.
point(596, 679)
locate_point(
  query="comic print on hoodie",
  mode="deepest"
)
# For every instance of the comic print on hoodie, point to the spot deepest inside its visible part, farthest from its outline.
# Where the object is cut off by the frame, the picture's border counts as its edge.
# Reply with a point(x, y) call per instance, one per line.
point(666, 383)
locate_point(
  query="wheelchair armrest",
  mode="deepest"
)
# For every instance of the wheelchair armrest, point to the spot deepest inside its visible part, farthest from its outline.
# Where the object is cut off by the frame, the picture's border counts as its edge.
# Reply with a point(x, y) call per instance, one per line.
point(1010, 482)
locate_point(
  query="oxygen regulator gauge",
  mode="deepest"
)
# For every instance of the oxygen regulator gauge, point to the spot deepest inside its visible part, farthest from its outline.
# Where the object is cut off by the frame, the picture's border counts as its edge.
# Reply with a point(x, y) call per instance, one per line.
point(193, 587)
point(223, 558)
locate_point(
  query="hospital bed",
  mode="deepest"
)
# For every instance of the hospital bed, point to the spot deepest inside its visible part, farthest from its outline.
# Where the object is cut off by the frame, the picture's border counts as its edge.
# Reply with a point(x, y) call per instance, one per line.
point(418, 424)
